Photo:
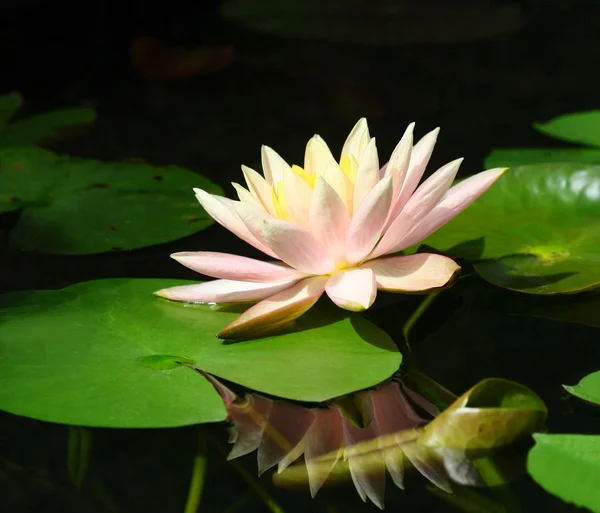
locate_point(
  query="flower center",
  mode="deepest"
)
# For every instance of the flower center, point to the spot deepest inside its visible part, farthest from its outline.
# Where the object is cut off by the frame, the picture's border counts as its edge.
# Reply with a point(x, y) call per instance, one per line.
point(348, 164)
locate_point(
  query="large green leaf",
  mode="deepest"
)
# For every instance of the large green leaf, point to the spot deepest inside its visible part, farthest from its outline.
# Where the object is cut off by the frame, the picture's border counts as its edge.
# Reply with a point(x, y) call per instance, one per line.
point(578, 127)
point(537, 230)
point(81, 206)
point(588, 388)
point(507, 157)
point(40, 128)
point(109, 353)
point(568, 466)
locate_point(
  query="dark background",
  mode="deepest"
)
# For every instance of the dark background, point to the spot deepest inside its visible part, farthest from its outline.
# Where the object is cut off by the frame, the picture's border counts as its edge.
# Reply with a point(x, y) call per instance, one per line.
point(278, 91)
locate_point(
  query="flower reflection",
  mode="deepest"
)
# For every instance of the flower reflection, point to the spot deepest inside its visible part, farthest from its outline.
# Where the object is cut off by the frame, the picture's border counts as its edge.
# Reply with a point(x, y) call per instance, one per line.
point(282, 431)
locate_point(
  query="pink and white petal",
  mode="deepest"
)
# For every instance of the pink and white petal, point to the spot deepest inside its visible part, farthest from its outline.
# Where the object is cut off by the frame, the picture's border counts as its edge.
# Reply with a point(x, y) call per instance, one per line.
point(453, 203)
point(429, 193)
point(288, 424)
point(253, 217)
point(234, 267)
point(419, 158)
point(428, 464)
point(276, 311)
point(367, 174)
point(412, 273)
point(368, 473)
point(318, 157)
point(297, 194)
point(329, 220)
point(260, 189)
point(244, 195)
point(224, 291)
point(368, 221)
point(273, 165)
point(249, 422)
point(297, 247)
point(325, 437)
point(340, 182)
point(357, 140)
point(352, 289)
point(400, 159)
point(223, 211)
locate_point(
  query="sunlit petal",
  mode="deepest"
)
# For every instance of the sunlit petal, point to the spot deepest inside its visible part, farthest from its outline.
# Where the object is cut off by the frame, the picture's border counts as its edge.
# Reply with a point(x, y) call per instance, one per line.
point(234, 267)
point(367, 175)
point(412, 273)
point(276, 311)
point(368, 222)
point(453, 203)
point(245, 195)
point(223, 211)
point(352, 289)
point(329, 220)
point(419, 158)
point(357, 140)
point(318, 157)
point(273, 165)
point(297, 196)
point(259, 188)
point(399, 160)
point(297, 248)
point(224, 291)
point(421, 202)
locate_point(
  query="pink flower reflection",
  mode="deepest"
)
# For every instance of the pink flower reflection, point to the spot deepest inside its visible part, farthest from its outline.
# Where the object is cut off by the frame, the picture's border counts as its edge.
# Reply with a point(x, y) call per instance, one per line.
point(282, 431)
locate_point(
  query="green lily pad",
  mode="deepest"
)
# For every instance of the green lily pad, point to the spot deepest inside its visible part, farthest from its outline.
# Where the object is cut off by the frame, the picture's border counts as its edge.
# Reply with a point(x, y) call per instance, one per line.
point(521, 156)
point(578, 127)
point(568, 466)
point(537, 230)
point(40, 128)
point(79, 206)
point(587, 389)
point(109, 353)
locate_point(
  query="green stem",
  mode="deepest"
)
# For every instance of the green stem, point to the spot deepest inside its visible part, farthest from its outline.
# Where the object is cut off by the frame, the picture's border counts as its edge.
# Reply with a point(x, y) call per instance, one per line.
point(198, 474)
point(416, 315)
point(79, 450)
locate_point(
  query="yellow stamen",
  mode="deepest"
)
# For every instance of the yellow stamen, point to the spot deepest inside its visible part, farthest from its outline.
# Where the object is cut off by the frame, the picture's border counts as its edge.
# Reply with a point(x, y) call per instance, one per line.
point(349, 166)
point(310, 179)
point(279, 202)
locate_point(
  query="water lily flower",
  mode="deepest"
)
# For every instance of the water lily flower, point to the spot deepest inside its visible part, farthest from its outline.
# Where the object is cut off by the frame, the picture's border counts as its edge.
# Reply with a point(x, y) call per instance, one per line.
point(333, 228)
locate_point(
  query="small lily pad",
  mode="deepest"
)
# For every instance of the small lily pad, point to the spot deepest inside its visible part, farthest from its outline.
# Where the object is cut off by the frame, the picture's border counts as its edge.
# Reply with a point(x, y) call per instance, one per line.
point(508, 157)
point(568, 466)
point(587, 389)
point(577, 127)
point(537, 230)
point(109, 353)
point(40, 128)
point(80, 206)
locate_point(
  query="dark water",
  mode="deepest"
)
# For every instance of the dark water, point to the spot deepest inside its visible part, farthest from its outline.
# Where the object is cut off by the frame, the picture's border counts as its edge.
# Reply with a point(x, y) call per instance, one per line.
point(277, 91)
